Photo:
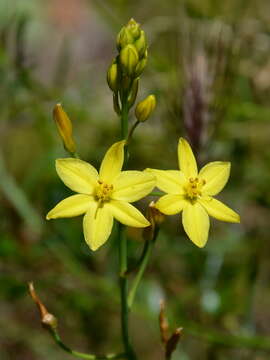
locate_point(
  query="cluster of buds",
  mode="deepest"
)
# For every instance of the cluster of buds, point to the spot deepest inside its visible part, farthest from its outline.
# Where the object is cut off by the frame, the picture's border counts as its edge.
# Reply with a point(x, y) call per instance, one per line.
point(124, 72)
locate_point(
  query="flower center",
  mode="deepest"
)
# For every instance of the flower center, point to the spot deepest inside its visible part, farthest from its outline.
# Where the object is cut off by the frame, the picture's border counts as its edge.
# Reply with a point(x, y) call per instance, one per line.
point(103, 192)
point(194, 187)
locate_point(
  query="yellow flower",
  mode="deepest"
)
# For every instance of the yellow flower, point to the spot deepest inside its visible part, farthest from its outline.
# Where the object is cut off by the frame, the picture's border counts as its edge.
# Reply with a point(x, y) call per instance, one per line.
point(192, 191)
point(102, 196)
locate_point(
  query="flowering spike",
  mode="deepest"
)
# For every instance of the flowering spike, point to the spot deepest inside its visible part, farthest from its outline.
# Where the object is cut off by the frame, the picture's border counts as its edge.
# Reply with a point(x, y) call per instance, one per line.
point(64, 127)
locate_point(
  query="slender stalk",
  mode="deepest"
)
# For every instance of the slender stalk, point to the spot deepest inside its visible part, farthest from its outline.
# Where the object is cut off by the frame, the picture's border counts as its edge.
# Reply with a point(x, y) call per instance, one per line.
point(132, 130)
point(78, 354)
point(123, 253)
point(140, 273)
point(142, 266)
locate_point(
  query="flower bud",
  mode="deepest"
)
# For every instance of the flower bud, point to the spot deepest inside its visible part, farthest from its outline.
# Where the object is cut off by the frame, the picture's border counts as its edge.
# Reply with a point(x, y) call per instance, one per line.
point(48, 320)
point(141, 44)
point(129, 59)
point(155, 218)
point(113, 77)
point(124, 38)
point(145, 108)
point(140, 67)
point(64, 127)
point(133, 92)
point(134, 28)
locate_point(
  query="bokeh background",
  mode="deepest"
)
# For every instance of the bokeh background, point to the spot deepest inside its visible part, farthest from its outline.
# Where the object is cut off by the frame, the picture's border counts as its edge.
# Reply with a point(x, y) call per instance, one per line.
point(209, 67)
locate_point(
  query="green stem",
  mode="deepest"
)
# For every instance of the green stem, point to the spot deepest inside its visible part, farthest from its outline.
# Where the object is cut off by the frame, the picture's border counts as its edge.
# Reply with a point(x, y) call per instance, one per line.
point(139, 275)
point(78, 354)
point(123, 252)
point(132, 131)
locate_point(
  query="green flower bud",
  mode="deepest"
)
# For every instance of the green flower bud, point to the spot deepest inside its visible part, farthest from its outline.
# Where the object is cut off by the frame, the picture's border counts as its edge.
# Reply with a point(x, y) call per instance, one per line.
point(124, 38)
point(133, 92)
point(140, 66)
point(141, 44)
point(129, 59)
point(113, 77)
point(134, 28)
point(145, 108)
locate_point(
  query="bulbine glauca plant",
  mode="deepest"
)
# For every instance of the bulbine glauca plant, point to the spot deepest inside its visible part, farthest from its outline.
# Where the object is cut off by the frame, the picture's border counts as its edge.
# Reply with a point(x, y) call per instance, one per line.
point(106, 195)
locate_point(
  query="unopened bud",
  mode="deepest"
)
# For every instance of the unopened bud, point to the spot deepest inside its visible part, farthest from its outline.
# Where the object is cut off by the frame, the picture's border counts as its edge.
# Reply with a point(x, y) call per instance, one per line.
point(64, 127)
point(140, 66)
point(163, 323)
point(48, 320)
point(155, 218)
point(141, 44)
point(155, 215)
point(124, 38)
point(133, 92)
point(134, 28)
point(145, 108)
point(113, 77)
point(129, 59)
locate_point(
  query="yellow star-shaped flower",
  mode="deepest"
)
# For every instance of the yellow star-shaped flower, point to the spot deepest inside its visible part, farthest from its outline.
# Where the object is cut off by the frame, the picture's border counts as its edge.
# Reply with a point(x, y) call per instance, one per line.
point(193, 191)
point(102, 196)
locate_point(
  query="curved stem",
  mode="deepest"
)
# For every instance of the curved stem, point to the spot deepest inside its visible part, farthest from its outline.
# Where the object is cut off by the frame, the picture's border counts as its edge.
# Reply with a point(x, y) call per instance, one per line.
point(140, 273)
point(143, 263)
point(78, 354)
point(132, 131)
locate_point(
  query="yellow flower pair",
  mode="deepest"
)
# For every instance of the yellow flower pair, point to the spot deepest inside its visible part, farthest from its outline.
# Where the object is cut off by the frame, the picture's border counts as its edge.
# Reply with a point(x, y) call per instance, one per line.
point(107, 195)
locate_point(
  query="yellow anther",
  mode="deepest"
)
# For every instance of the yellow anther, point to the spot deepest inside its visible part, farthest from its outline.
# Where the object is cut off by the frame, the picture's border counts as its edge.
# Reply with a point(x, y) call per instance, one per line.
point(103, 192)
point(193, 188)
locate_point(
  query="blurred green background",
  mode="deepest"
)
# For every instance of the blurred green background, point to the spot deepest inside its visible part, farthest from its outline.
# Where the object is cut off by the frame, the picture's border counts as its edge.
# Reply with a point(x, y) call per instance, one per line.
point(209, 67)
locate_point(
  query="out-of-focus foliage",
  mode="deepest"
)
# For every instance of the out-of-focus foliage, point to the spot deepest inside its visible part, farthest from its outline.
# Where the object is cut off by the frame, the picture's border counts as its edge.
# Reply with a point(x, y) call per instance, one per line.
point(209, 67)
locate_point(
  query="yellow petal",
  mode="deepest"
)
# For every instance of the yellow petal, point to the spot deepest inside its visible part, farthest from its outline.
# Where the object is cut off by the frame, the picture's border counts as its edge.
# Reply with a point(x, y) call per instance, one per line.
point(216, 175)
point(97, 226)
point(169, 181)
point(196, 223)
point(171, 204)
point(133, 185)
point(72, 206)
point(76, 174)
point(112, 162)
point(127, 214)
point(219, 210)
point(186, 159)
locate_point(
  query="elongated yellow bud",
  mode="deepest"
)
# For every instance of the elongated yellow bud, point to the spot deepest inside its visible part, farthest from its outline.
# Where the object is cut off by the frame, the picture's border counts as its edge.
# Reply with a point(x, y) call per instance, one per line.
point(64, 127)
point(140, 66)
point(113, 77)
point(124, 38)
point(140, 44)
point(129, 59)
point(145, 108)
